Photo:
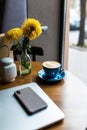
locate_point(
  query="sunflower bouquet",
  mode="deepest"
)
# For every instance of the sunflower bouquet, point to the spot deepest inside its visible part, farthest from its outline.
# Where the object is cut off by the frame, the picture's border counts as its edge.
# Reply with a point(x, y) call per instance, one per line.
point(21, 37)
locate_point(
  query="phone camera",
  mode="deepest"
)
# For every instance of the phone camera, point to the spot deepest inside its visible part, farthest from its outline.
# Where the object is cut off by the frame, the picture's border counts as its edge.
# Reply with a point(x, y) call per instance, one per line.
point(18, 92)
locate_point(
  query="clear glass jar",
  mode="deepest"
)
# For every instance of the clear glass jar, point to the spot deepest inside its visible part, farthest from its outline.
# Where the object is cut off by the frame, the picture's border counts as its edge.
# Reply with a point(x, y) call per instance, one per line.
point(25, 63)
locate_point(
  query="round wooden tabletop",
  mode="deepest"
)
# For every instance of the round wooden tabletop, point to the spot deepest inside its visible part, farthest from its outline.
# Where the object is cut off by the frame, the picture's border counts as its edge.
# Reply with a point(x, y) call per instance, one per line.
point(70, 94)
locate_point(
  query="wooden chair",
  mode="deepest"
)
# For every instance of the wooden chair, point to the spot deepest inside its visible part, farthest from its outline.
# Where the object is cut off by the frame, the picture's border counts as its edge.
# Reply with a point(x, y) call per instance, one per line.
point(4, 51)
point(35, 50)
point(5, 47)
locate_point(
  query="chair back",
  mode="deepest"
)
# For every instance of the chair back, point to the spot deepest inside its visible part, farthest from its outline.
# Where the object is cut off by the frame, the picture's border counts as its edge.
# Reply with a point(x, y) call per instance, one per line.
point(35, 51)
point(5, 47)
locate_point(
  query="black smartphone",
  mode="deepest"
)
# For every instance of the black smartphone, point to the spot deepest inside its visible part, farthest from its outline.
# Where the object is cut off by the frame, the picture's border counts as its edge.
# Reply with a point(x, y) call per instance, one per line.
point(30, 100)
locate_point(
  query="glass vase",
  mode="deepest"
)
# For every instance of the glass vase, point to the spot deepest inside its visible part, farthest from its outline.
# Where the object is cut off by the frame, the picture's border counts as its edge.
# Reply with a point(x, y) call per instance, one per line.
point(25, 63)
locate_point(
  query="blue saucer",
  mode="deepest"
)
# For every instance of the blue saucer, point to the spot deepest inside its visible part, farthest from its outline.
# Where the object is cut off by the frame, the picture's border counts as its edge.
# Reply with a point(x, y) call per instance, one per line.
point(58, 77)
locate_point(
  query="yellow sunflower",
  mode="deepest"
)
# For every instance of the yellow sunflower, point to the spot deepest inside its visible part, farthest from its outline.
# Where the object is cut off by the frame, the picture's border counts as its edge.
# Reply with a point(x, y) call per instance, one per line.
point(14, 34)
point(31, 28)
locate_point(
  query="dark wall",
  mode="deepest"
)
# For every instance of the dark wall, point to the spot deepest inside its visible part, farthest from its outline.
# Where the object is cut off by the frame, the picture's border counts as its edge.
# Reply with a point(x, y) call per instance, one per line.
point(1, 13)
point(48, 12)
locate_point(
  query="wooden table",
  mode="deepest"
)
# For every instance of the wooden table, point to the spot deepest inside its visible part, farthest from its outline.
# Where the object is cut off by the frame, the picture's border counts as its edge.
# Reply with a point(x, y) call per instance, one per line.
point(70, 94)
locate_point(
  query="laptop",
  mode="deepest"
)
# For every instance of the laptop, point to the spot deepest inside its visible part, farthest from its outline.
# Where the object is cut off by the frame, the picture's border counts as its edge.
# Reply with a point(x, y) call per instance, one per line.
point(13, 116)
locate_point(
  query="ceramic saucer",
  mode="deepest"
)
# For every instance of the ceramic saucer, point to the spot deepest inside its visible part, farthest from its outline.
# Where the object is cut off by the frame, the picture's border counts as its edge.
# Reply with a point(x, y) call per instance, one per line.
point(58, 77)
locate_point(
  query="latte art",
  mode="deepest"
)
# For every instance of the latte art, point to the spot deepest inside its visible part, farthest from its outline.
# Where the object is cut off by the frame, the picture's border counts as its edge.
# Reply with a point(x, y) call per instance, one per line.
point(51, 64)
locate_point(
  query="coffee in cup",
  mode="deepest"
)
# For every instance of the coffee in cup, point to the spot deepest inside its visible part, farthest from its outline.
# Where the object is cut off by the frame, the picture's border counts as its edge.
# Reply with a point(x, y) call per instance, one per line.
point(51, 68)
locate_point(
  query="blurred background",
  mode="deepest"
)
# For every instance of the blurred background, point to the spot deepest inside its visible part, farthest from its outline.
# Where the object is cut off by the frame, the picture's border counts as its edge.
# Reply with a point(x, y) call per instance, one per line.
point(77, 62)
